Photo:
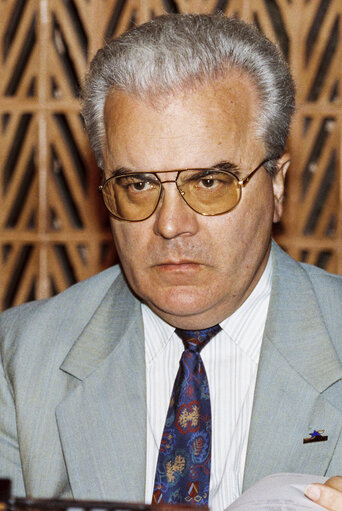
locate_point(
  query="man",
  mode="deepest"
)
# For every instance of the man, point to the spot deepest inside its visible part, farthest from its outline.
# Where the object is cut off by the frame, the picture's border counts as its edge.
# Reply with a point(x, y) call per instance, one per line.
point(188, 117)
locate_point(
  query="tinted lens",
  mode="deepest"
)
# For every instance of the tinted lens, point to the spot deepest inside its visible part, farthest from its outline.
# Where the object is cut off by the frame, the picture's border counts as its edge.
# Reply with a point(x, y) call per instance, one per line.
point(134, 197)
point(209, 192)
point(131, 197)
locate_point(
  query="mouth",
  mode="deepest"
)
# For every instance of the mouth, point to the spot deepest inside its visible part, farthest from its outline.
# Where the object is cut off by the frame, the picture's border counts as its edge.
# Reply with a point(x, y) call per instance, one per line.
point(182, 265)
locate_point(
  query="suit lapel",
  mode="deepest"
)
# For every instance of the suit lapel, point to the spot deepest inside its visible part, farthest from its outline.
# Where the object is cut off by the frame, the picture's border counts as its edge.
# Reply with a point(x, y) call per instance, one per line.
point(102, 423)
point(298, 365)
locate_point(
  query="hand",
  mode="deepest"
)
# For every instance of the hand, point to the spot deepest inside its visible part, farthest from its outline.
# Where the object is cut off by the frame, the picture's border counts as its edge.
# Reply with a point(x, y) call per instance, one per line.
point(328, 495)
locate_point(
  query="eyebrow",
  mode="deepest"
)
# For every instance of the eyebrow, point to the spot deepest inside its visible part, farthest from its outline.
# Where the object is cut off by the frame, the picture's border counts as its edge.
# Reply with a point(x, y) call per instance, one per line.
point(222, 165)
point(226, 165)
point(121, 171)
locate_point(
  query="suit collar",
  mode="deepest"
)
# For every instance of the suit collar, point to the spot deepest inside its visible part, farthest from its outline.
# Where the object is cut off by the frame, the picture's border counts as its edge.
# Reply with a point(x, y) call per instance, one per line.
point(116, 314)
point(295, 325)
point(297, 369)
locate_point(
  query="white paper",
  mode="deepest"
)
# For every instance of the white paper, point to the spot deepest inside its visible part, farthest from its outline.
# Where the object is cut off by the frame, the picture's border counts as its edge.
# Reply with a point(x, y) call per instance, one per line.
point(278, 492)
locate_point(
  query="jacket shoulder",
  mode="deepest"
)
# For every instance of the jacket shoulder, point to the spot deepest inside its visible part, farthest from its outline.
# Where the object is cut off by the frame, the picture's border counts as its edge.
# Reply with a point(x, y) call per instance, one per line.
point(327, 286)
point(328, 290)
point(310, 283)
point(56, 316)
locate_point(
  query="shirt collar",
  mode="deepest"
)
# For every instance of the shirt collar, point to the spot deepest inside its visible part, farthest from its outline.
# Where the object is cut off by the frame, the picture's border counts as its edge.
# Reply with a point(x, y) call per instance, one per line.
point(250, 318)
point(157, 333)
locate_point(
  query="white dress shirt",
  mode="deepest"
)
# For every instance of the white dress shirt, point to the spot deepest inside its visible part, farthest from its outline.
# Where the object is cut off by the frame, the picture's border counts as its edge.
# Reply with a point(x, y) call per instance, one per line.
point(231, 361)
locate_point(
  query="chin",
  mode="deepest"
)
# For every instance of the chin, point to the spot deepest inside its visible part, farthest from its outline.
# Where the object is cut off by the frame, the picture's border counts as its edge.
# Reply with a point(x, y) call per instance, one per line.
point(179, 304)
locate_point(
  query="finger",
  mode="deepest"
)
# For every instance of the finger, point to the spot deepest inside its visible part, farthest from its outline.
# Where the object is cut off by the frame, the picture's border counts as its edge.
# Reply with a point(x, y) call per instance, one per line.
point(326, 496)
point(334, 482)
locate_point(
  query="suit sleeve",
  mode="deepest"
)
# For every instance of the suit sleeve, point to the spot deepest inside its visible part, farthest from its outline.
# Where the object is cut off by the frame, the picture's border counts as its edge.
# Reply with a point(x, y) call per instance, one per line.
point(10, 464)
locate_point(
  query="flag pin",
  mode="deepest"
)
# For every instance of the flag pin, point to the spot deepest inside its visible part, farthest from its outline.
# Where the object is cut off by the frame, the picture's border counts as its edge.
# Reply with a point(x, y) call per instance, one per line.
point(315, 436)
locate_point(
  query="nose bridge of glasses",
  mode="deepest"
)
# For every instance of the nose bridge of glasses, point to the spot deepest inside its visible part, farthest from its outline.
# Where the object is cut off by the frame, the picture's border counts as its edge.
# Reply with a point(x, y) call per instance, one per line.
point(171, 181)
point(168, 181)
point(167, 174)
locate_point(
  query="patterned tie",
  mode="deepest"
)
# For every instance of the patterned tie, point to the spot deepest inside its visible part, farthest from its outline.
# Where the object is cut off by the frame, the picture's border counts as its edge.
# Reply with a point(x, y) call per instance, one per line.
point(183, 467)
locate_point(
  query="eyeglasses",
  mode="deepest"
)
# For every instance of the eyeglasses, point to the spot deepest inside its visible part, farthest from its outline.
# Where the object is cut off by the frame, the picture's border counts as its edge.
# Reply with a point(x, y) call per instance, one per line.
point(210, 191)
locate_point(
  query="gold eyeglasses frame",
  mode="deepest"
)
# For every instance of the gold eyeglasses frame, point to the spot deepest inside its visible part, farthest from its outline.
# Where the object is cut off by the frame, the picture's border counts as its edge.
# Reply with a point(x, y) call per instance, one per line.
point(240, 182)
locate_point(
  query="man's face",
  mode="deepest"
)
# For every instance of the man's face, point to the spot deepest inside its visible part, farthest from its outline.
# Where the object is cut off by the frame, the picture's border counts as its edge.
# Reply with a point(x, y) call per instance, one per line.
point(192, 270)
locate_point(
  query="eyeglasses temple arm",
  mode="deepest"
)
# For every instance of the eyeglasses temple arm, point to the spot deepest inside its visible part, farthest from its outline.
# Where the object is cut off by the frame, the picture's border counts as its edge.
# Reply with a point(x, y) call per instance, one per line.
point(243, 182)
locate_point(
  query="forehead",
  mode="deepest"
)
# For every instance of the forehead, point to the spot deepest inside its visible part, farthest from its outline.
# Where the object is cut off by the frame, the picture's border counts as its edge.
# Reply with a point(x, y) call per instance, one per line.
point(212, 123)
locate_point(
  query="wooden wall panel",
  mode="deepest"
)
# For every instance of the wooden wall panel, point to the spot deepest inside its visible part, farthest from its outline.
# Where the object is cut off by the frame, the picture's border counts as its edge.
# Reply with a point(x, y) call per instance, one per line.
point(312, 220)
point(53, 227)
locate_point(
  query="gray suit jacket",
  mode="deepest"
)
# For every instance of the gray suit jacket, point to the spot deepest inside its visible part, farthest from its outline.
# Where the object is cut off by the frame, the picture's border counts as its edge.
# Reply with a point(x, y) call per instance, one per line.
point(72, 387)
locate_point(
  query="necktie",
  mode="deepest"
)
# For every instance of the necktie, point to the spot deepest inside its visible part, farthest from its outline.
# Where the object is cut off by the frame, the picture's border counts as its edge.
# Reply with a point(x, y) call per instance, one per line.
point(183, 467)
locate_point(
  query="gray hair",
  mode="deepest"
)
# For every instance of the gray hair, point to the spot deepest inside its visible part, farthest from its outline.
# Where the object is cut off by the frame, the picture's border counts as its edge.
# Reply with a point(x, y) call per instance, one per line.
point(174, 52)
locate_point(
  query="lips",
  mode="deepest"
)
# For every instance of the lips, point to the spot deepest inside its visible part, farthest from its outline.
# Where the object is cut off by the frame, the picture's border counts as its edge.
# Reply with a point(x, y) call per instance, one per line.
point(177, 263)
point(181, 263)
point(179, 267)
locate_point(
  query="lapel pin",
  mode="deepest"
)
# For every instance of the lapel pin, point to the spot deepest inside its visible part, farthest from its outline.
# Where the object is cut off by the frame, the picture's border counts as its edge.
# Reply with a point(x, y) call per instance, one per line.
point(315, 436)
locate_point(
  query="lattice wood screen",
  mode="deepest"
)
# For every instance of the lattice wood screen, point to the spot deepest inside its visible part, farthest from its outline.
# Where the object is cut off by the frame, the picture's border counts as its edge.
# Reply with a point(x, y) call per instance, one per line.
point(53, 229)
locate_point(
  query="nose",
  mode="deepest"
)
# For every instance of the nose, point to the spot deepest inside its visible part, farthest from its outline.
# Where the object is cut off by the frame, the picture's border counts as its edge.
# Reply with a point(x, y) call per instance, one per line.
point(173, 216)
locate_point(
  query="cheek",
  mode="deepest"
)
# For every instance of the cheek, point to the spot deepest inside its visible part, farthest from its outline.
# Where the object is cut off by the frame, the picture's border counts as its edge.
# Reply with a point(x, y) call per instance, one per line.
point(260, 198)
point(251, 220)
point(122, 238)
point(131, 240)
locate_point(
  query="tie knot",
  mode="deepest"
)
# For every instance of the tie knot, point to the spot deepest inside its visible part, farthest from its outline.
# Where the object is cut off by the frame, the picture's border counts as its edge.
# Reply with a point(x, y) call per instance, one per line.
point(195, 340)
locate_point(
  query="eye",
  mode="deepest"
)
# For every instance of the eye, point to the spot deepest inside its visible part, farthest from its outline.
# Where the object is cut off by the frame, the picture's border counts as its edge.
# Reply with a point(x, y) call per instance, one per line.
point(209, 179)
point(139, 185)
point(137, 182)
point(208, 182)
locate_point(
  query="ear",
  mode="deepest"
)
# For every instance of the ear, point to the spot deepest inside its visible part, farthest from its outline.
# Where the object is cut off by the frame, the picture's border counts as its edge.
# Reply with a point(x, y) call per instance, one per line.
point(278, 183)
